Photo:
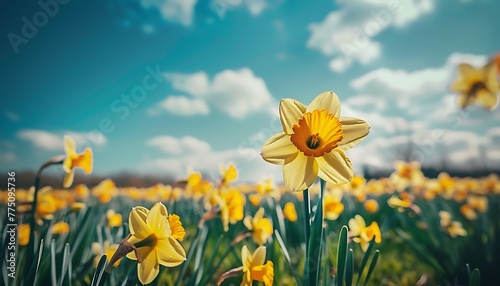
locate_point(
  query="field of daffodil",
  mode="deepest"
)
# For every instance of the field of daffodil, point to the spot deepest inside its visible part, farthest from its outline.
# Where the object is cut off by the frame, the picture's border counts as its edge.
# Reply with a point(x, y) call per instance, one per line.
point(340, 229)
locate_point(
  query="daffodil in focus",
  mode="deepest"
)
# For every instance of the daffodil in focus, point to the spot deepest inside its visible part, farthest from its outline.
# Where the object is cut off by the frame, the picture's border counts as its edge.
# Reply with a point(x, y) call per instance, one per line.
point(289, 212)
point(362, 234)
point(477, 85)
point(254, 268)
point(156, 238)
point(74, 160)
point(314, 141)
point(260, 227)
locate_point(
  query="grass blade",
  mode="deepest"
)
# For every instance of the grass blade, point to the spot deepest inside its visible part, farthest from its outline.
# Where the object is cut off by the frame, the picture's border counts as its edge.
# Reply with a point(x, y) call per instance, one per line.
point(372, 266)
point(341, 256)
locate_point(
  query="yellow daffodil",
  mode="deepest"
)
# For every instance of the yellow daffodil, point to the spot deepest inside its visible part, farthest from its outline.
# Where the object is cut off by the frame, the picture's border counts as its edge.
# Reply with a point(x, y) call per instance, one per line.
point(229, 174)
point(114, 219)
point(109, 250)
point(362, 234)
point(468, 212)
point(254, 267)
point(196, 186)
point(46, 205)
point(74, 160)
point(479, 203)
point(260, 227)
point(231, 207)
point(81, 192)
point(105, 191)
point(371, 206)
point(332, 204)
point(156, 238)
point(255, 199)
point(75, 207)
point(266, 186)
point(395, 202)
point(477, 85)
point(289, 212)
point(313, 142)
point(60, 228)
point(24, 234)
point(407, 174)
point(453, 228)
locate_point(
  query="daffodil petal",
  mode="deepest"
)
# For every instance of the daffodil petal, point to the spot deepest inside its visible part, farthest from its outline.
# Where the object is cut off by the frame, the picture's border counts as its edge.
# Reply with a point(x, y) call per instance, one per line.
point(487, 99)
point(355, 130)
point(68, 179)
point(170, 252)
point(259, 256)
point(279, 149)
point(300, 173)
point(247, 221)
point(157, 220)
point(143, 252)
point(148, 269)
point(465, 100)
point(69, 146)
point(335, 167)
point(326, 101)
point(137, 224)
point(291, 111)
point(246, 258)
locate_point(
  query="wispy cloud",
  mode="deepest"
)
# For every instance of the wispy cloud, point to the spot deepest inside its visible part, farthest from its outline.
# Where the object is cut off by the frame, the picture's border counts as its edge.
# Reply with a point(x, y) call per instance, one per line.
point(52, 141)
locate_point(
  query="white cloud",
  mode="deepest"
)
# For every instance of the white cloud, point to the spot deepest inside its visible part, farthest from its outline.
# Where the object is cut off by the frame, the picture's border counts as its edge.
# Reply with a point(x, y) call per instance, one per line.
point(255, 7)
point(347, 34)
point(178, 11)
point(235, 92)
point(179, 146)
point(250, 165)
point(51, 141)
point(7, 157)
point(181, 105)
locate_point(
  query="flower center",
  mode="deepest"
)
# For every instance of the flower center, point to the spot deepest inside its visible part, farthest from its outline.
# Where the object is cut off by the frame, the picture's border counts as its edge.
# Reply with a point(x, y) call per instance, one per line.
point(317, 133)
point(476, 87)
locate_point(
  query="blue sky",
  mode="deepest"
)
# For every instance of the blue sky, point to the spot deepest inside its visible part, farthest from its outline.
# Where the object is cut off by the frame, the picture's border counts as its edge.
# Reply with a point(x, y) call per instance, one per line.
point(207, 77)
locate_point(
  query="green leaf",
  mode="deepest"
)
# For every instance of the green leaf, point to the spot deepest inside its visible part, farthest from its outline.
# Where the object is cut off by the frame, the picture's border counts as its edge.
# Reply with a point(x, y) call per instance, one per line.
point(341, 256)
point(349, 271)
point(313, 260)
point(372, 266)
point(99, 270)
point(475, 278)
point(366, 256)
point(53, 265)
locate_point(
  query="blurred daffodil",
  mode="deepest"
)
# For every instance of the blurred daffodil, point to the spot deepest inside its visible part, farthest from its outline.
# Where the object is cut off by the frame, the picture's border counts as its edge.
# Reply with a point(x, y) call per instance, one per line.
point(231, 207)
point(60, 228)
point(362, 234)
point(114, 219)
point(105, 191)
point(477, 85)
point(24, 234)
point(371, 206)
point(313, 142)
point(156, 240)
point(108, 249)
point(453, 228)
point(332, 204)
point(254, 267)
point(229, 174)
point(260, 227)
point(290, 212)
point(74, 160)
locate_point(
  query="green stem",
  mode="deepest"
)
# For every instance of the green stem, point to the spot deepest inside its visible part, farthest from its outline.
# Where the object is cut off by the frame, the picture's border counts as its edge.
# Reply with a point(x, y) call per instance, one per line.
point(32, 218)
point(307, 227)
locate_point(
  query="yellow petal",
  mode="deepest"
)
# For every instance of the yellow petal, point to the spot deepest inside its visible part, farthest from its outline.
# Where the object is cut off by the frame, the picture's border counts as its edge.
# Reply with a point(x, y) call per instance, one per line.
point(137, 224)
point(148, 269)
point(279, 149)
point(259, 214)
point(259, 256)
point(247, 221)
point(157, 220)
point(487, 99)
point(325, 101)
point(246, 258)
point(291, 111)
point(300, 173)
point(177, 230)
point(170, 252)
point(355, 130)
point(290, 212)
point(86, 161)
point(335, 167)
point(143, 251)
point(68, 179)
point(69, 146)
